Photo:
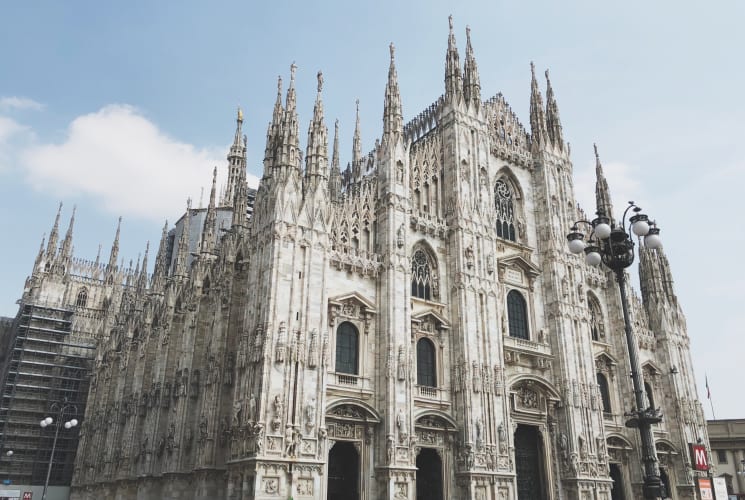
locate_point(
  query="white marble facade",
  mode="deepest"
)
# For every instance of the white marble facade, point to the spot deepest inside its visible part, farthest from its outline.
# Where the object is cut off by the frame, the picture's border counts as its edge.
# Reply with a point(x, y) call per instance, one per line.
point(410, 327)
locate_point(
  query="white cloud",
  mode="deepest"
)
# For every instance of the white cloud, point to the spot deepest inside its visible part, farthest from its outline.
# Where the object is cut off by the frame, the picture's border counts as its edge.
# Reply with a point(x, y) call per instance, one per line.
point(11, 132)
point(13, 102)
point(121, 159)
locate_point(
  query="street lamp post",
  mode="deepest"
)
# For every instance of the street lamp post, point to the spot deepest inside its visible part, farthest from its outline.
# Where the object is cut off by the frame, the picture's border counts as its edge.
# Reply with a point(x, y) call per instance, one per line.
point(61, 409)
point(613, 246)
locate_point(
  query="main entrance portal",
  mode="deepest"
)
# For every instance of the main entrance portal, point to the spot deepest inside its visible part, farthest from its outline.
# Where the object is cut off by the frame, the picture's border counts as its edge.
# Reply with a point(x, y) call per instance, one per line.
point(428, 475)
point(344, 471)
point(528, 463)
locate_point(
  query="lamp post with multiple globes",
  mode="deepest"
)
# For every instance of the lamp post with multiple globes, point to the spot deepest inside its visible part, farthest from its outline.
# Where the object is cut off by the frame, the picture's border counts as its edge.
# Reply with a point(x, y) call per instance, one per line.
point(613, 246)
point(62, 410)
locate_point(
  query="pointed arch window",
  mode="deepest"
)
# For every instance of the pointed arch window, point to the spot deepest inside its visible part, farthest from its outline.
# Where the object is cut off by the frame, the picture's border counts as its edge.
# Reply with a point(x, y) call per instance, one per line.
point(597, 329)
point(517, 312)
point(82, 299)
point(422, 278)
point(425, 363)
point(347, 349)
point(604, 392)
point(505, 210)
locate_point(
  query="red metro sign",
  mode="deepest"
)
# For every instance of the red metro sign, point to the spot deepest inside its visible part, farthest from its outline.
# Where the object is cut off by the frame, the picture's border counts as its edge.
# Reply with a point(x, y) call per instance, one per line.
point(699, 457)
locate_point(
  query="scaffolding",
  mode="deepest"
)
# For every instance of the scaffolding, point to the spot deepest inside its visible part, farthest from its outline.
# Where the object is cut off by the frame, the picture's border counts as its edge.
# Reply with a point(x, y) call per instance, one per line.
point(45, 365)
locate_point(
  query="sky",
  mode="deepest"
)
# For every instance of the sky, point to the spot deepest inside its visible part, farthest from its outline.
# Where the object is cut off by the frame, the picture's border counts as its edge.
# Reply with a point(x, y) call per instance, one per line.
point(124, 108)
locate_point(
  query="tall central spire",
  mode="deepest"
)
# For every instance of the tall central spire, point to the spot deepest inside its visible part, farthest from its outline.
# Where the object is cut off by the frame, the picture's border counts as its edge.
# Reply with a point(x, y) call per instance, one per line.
point(235, 161)
point(453, 79)
point(392, 114)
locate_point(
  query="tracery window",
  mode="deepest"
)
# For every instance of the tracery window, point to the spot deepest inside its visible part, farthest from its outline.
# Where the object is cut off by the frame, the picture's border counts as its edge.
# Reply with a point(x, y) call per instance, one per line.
point(517, 312)
point(596, 318)
point(425, 363)
point(82, 299)
point(422, 280)
point(505, 210)
point(347, 343)
point(604, 392)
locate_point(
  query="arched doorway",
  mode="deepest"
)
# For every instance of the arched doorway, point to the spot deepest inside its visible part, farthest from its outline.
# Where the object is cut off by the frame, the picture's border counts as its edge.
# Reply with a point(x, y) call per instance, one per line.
point(529, 463)
point(344, 472)
point(616, 492)
point(428, 475)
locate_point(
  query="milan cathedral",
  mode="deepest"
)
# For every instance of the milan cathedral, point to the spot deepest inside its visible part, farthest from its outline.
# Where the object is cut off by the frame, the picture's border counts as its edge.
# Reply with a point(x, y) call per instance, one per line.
point(410, 327)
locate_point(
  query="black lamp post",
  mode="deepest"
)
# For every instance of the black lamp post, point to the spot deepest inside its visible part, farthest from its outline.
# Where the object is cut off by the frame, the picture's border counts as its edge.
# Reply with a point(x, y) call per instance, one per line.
point(61, 409)
point(613, 246)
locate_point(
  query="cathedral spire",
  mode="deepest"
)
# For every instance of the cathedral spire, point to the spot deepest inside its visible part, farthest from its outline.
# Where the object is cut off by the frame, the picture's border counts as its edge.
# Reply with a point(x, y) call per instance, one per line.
point(54, 235)
point(537, 117)
point(40, 255)
point(471, 81)
point(453, 79)
point(182, 254)
point(290, 140)
point(316, 153)
point(161, 265)
point(553, 123)
point(235, 162)
point(66, 250)
point(273, 132)
point(602, 193)
point(210, 220)
point(357, 139)
point(142, 279)
point(115, 247)
point(655, 277)
point(392, 114)
point(335, 174)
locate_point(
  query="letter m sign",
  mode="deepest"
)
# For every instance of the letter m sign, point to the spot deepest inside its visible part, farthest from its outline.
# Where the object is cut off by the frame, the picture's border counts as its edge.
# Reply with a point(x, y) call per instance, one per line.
point(698, 455)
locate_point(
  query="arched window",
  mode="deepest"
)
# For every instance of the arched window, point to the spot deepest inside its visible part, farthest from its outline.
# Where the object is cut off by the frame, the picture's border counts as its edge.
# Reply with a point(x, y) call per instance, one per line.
point(425, 363)
point(347, 341)
point(596, 319)
point(505, 210)
point(604, 392)
point(517, 312)
point(421, 275)
point(82, 299)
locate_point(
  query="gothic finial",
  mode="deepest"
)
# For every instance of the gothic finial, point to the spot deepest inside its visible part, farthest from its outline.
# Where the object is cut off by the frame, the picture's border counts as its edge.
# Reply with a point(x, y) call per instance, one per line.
point(468, 34)
point(393, 51)
point(450, 21)
point(453, 77)
point(597, 156)
point(532, 69)
point(240, 114)
point(293, 69)
point(319, 76)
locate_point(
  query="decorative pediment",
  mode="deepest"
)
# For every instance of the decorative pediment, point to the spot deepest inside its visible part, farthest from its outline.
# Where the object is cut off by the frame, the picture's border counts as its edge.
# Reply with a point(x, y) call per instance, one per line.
point(619, 442)
point(428, 321)
point(517, 269)
point(353, 410)
point(651, 371)
point(605, 363)
point(532, 395)
point(435, 420)
point(353, 300)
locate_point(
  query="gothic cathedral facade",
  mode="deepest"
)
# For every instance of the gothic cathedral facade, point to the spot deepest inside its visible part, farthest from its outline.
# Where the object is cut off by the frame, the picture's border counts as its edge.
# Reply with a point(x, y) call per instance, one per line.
point(412, 327)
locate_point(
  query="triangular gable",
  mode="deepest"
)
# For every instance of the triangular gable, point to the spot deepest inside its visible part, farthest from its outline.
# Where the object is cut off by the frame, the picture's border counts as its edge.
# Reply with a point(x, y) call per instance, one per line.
point(431, 315)
point(521, 262)
point(606, 357)
point(652, 367)
point(356, 297)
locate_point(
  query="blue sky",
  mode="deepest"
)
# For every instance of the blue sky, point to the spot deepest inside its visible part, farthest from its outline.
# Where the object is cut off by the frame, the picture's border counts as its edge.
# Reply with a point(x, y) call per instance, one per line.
point(124, 108)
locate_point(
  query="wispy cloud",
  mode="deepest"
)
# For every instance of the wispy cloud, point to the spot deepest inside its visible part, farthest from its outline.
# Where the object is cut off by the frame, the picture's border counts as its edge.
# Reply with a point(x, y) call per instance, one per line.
point(125, 162)
point(13, 102)
point(623, 180)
